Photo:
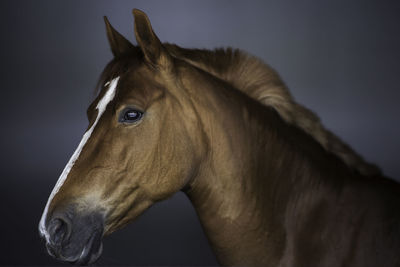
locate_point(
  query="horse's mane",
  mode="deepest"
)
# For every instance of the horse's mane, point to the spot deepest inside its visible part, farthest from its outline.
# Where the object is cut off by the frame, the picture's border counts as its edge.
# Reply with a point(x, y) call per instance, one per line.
point(259, 81)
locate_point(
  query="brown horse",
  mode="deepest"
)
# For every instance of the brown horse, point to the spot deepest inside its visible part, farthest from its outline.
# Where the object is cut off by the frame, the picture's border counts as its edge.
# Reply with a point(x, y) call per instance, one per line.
point(270, 184)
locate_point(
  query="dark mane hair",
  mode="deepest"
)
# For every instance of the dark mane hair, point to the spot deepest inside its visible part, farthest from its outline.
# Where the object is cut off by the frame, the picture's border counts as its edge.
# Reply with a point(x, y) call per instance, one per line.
point(262, 83)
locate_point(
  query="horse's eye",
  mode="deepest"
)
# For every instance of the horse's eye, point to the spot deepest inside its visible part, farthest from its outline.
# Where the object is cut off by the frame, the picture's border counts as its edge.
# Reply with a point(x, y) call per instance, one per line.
point(130, 115)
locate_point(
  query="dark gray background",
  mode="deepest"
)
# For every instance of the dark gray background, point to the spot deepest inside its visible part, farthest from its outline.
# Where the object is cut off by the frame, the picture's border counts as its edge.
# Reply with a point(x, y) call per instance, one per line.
point(339, 58)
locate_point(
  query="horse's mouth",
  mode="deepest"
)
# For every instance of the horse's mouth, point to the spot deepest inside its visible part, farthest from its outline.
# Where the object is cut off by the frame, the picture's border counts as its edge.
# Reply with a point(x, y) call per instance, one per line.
point(91, 251)
point(89, 254)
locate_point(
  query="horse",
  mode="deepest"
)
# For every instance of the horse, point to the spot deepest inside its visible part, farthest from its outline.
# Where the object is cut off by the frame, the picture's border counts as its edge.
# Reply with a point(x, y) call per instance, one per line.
point(271, 186)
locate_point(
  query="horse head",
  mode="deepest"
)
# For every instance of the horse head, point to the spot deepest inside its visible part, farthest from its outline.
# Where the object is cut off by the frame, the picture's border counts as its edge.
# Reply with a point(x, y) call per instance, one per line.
point(142, 145)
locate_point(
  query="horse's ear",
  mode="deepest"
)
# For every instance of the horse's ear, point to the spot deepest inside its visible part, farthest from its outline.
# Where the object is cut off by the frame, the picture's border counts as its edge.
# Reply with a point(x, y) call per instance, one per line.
point(152, 48)
point(118, 43)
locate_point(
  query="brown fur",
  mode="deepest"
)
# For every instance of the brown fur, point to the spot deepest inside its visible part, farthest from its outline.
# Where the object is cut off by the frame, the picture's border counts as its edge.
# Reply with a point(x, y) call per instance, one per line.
point(261, 82)
point(267, 190)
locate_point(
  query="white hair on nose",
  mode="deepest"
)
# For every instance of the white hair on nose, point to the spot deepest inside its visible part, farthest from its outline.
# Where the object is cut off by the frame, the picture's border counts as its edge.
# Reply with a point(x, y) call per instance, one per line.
point(101, 107)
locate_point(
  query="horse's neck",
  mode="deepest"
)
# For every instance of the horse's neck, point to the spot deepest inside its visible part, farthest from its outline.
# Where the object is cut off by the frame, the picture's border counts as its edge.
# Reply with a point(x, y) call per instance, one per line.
point(255, 166)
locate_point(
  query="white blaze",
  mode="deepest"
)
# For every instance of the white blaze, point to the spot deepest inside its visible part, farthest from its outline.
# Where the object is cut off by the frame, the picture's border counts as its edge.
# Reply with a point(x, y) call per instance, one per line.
point(101, 107)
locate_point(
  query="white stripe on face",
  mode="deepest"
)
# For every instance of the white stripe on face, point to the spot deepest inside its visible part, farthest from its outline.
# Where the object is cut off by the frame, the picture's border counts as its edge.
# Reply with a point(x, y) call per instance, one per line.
point(101, 107)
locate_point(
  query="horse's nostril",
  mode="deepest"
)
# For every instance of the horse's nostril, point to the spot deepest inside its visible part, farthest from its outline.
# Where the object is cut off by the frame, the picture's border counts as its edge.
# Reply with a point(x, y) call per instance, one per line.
point(58, 230)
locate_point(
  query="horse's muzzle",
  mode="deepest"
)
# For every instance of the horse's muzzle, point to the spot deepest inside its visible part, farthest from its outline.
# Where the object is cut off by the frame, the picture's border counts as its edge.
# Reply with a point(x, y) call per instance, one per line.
point(75, 237)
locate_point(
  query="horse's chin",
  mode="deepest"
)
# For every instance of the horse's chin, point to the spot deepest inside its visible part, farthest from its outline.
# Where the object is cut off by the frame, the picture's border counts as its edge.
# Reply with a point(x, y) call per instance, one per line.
point(91, 252)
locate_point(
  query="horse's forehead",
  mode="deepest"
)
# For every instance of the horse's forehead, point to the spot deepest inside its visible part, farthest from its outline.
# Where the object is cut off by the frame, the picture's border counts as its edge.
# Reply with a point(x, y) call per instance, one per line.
point(139, 84)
